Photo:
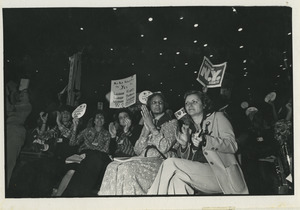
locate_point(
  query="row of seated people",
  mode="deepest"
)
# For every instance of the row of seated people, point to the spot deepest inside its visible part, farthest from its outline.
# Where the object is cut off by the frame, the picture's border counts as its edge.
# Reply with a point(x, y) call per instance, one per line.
point(196, 156)
point(168, 156)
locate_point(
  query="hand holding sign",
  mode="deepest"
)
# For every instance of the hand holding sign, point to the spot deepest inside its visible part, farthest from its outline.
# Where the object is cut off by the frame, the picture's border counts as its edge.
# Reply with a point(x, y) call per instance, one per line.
point(183, 116)
point(79, 111)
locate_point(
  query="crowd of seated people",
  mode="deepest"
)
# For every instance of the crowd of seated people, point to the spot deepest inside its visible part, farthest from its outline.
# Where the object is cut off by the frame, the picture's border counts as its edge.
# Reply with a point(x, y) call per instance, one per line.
point(150, 152)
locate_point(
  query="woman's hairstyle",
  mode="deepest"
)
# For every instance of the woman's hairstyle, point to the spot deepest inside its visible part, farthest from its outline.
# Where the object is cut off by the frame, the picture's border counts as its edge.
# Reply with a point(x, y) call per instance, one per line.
point(116, 115)
point(149, 100)
point(95, 114)
point(206, 102)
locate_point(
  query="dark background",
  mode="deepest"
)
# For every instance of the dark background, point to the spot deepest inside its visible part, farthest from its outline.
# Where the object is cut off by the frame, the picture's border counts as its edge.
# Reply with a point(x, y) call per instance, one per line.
point(38, 43)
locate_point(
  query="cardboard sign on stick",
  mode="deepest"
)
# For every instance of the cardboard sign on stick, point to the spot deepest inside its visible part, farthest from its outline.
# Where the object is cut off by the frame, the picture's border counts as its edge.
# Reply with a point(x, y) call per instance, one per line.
point(79, 111)
point(211, 75)
point(123, 92)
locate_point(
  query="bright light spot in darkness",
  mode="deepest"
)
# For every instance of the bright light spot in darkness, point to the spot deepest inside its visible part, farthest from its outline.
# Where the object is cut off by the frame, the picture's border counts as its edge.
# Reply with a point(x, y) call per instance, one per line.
point(240, 29)
point(150, 19)
point(181, 18)
point(196, 25)
point(244, 61)
point(205, 45)
point(241, 46)
point(165, 38)
point(177, 53)
point(195, 41)
point(211, 56)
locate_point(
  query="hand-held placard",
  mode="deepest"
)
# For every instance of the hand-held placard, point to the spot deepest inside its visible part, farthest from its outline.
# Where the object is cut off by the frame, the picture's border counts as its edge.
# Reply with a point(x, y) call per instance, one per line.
point(79, 111)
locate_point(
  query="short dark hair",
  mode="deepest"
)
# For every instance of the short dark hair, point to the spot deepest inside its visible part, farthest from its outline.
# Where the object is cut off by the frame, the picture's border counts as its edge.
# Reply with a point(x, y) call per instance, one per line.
point(96, 113)
point(161, 96)
point(116, 115)
point(206, 101)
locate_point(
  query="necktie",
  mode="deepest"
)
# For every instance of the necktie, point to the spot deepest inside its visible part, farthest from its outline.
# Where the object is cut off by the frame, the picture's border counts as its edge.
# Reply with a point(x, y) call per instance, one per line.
point(155, 122)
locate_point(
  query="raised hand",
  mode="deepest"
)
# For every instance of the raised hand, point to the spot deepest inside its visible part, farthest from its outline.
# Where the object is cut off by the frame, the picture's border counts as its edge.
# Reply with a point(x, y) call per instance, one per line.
point(183, 136)
point(44, 117)
point(127, 125)
point(196, 139)
point(289, 106)
point(147, 117)
point(75, 122)
point(58, 117)
point(112, 130)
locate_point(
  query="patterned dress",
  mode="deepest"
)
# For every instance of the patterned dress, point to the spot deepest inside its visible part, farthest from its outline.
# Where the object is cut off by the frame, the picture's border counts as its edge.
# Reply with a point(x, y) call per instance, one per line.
point(135, 176)
point(91, 139)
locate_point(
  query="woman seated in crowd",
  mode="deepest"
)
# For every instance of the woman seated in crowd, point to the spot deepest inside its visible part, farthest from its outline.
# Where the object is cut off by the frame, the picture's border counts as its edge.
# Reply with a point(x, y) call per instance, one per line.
point(157, 141)
point(207, 160)
point(59, 136)
point(123, 134)
point(94, 144)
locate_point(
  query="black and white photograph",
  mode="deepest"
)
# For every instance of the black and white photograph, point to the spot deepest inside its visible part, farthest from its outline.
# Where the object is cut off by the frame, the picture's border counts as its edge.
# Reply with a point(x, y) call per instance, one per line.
point(148, 102)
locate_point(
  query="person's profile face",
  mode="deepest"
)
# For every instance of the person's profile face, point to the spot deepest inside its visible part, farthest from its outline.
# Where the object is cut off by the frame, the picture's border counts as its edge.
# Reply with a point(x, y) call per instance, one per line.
point(193, 105)
point(157, 105)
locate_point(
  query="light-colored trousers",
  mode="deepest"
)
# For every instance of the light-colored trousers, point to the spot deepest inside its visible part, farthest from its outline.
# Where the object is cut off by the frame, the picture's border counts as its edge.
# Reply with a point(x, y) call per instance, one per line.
point(181, 177)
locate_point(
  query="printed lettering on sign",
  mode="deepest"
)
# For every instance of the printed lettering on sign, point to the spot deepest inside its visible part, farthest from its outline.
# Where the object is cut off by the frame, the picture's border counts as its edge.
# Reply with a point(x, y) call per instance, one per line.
point(211, 75)
point(123, 92)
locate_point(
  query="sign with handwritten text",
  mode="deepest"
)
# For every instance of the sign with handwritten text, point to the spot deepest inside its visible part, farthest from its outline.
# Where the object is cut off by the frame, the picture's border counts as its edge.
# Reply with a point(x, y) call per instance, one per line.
point(123, 92)
point(211, 75)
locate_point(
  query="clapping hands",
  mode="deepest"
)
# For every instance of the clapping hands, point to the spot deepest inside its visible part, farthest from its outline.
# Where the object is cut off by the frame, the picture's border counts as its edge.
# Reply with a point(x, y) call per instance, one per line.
point(147, 117)
point(44, 117)
point(112, 130)
point(183, 136)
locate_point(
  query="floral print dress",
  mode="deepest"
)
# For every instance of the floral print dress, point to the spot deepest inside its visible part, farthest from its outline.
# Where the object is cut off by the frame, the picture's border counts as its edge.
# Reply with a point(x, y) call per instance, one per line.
point(135, 176)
